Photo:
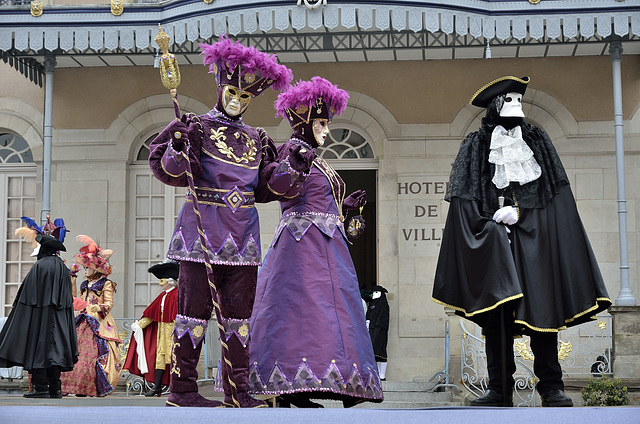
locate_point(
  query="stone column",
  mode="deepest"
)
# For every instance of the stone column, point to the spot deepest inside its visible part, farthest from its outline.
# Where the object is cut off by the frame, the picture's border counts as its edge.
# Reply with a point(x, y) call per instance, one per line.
point(625, 296)
point(626, 342)
point(49, 67)
point(455, 348)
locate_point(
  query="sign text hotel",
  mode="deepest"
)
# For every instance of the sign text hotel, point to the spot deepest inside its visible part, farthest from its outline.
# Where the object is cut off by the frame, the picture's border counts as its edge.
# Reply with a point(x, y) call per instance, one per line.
point(420, 204)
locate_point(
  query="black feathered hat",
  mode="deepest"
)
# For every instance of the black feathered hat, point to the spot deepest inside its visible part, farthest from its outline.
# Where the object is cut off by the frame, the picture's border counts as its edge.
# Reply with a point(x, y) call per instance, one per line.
point(503, 85)
point(168, 269)
point(50, 243)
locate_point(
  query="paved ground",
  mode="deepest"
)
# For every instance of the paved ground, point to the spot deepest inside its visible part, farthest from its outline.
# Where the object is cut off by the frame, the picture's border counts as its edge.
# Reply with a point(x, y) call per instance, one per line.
point(117, 398)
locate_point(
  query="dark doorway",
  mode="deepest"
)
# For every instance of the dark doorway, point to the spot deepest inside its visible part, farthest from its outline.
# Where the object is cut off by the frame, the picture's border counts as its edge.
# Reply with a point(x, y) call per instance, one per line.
point(364, 252)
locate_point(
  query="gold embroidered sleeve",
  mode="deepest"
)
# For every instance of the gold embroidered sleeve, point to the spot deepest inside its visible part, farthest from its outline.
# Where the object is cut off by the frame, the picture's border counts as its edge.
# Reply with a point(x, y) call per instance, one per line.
point(107, 297)
point(74, 287)
point(144, 321)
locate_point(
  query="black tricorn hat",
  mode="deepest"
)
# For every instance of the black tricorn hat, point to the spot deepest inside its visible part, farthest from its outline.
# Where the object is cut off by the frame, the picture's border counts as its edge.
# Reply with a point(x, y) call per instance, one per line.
point(380, 289)
point(503, 85)
point(50, 243)
point(169, 269)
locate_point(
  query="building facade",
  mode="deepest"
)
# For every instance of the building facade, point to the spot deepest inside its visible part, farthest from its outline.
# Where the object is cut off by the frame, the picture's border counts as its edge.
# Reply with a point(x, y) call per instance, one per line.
point(80, 100)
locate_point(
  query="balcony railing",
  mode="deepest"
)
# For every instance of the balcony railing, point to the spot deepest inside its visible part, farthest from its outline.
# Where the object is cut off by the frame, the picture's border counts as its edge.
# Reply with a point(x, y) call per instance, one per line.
point(583, 351)
point(54, 3)
point(137, 385)
point(8, 3)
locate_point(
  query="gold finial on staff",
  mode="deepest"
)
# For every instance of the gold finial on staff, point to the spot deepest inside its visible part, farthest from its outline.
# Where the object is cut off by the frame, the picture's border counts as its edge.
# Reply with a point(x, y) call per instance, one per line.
point(169, 71)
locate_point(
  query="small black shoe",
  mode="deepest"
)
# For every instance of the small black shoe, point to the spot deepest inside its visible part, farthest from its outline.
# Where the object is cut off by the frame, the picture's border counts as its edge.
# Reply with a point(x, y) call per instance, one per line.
point(282, 402)
point(299, 400)
point(492, 398)
point(55, 394)
point(34, 394)
point(556, 398)
point(156, 391)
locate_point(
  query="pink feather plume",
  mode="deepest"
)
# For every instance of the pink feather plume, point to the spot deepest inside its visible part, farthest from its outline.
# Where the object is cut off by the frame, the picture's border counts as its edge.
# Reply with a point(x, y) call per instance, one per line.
point(306, 92)
point(251, 59)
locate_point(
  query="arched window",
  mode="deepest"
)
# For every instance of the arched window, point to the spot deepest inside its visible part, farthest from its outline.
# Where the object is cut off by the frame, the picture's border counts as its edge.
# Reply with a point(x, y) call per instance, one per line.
point(346, 143)
point(144, 150)
point(353, 156)
point(14, 149)
point(18, 194)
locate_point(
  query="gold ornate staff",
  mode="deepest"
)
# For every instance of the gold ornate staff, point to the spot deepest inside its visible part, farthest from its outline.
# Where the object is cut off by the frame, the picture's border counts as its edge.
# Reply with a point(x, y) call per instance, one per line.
point(170, 76)
point(169, 70)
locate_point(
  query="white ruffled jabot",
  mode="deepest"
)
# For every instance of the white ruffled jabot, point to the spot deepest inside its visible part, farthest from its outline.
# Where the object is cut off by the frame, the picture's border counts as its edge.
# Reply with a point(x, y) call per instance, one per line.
point(512, 157)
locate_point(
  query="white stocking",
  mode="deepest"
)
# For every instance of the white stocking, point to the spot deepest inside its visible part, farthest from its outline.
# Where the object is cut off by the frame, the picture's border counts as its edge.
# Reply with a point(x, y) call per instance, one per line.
point(382, 369)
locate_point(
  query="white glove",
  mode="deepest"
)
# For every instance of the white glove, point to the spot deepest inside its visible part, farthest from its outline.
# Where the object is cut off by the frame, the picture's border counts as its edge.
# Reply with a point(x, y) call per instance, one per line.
point(142, 357)
point(506, 215)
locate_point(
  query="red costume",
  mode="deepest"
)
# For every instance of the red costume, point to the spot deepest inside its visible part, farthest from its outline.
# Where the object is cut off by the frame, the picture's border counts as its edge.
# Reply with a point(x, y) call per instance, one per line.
point(156, 326)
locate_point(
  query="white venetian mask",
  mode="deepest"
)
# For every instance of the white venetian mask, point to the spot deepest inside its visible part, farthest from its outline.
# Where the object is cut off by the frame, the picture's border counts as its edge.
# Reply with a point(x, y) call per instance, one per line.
point(512, 106)
point(320, 130)
point(234, 100)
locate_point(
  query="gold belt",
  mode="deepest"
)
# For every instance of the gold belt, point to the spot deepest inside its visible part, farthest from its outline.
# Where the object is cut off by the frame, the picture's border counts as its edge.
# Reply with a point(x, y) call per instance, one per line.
point(232, 198)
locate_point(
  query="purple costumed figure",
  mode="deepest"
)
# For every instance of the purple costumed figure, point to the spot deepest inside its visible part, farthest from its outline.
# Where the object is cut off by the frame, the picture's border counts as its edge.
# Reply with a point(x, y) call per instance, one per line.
point(233, 166)
point(309, 339)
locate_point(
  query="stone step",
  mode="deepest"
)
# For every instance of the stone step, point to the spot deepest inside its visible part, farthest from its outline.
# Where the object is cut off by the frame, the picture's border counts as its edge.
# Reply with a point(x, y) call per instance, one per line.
point(429, 397)
point(398, 395)
point(387, 404)
point(407, 386)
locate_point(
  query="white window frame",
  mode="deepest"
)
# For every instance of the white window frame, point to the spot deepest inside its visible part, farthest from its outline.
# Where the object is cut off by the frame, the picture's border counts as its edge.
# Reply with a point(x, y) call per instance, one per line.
point(171, 207)
point(7, 171)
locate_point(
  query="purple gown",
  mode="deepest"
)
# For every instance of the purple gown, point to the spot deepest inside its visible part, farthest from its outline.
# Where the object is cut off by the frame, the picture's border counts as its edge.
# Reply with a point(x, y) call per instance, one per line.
point(309, 332)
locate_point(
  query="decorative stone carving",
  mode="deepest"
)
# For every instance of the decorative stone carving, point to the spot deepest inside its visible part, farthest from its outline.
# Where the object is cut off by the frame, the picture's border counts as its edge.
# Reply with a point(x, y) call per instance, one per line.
point(36, 8)
point(117, 7)
point(312, 4)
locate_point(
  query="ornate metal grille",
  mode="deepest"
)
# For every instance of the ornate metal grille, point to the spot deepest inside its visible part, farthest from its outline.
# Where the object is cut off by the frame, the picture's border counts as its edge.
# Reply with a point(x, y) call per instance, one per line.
point(583, 350)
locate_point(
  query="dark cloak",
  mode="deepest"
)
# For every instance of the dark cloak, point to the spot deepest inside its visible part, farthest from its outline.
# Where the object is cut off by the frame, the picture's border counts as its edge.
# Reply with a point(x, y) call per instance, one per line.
point(40, 331)
point(378, 317)
point(545, 265)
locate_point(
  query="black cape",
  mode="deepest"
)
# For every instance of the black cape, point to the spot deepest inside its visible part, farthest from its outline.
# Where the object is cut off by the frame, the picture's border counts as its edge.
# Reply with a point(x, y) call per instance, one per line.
point(545, 265)
point(378, 317)
point(40, 331)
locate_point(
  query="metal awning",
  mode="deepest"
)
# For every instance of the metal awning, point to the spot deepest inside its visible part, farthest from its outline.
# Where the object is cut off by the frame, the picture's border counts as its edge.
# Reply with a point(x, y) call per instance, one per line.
point(91, 36)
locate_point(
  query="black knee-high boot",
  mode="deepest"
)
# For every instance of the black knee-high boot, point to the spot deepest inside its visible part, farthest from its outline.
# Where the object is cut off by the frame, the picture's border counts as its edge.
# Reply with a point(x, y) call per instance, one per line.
point(55, 385)
point(39, 383)
point(157, 387)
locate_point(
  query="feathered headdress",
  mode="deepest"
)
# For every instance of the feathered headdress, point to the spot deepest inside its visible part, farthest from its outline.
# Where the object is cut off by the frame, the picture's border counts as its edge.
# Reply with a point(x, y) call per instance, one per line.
point(31, 229)
point(93, 256)
point(309, 100)
point(56, 228)
point(27, 233)
point(244, 67)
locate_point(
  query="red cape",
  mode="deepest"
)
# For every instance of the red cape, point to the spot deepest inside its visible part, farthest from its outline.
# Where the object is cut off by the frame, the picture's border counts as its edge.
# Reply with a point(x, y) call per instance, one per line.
point(154, 310)
point(150, 335)
point(150, 344)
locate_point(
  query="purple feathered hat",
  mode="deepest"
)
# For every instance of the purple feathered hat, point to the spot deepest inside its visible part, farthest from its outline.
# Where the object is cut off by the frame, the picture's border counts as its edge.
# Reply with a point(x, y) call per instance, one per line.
point(247, 68)
point(309, 100)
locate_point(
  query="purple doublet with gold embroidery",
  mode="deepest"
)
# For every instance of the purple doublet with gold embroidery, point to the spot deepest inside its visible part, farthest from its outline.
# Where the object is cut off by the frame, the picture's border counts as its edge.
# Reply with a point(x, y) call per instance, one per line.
point(245, 172)
point(308, 331)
